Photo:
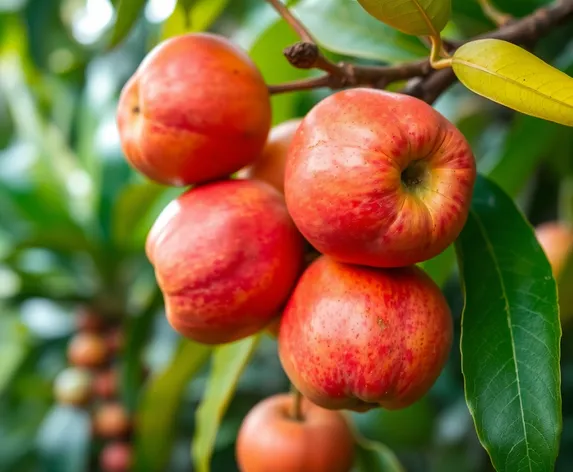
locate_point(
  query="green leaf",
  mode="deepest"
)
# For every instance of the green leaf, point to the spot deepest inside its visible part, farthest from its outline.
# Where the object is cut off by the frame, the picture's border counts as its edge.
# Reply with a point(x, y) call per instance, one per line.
point(528, 141)
point(64, 440)
point(157, 414)
point(372, 456)
point(131, 208)
point(229, 362)
point(54, 178)
point(127, 13)
point(510, 335)
point(342, 26)
point(511, 76)
point(193, 15)
point(266, 52)
point(138, 331)
point(440, 267)
point(564, 280)
point(14, 347)
point(416, 17)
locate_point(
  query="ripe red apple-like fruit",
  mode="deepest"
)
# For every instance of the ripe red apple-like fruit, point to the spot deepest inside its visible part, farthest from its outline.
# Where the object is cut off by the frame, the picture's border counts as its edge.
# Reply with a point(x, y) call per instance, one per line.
point(87, 350)
point(72, 386)
point(378, 179)
point(556, 239)
point(111, 421)
point(116, 457)
point(226, 256)
point(89, 321)
point(270, 165)
point(115, 340)
point(356, 337)
point(105, 384)
point(270, 439)
point(197, 109)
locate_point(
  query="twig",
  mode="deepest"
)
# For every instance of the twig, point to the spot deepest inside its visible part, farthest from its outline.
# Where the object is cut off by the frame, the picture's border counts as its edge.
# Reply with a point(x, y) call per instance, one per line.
point(495, 15)
point(424, 82)
point(303, 84)
point(293, 22)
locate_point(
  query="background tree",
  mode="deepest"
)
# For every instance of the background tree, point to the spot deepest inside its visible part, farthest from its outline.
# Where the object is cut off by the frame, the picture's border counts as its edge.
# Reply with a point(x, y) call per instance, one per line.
point(74, 218)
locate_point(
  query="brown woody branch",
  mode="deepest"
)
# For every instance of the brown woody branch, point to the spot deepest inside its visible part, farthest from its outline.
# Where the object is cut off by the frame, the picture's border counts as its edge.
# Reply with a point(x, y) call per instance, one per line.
point(424, 82)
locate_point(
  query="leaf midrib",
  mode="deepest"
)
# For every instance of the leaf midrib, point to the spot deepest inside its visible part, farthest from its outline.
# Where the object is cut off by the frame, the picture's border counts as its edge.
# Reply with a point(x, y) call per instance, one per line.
point(491, 250)
point(426, 18)
point(475, 66)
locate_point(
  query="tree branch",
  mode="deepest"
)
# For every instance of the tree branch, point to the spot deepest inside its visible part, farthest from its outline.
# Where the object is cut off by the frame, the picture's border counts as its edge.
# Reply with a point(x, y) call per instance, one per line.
point(495, 15)
point(424, 82)
point(293, 22)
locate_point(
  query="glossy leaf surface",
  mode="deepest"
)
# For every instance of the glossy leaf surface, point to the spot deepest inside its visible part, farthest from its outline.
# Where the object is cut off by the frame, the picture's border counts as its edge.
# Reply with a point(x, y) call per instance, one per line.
point(510, 335)
point(416, 17)
point(511, 76)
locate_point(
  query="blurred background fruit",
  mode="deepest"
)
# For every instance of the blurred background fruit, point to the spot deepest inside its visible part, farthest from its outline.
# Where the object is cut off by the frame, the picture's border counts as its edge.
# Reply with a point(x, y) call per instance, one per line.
point(74, 218)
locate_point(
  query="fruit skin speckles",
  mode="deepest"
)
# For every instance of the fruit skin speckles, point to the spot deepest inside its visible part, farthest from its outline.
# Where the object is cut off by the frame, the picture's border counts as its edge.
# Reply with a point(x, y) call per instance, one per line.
point(333, 349)
point(226, 257)
point(378, 179)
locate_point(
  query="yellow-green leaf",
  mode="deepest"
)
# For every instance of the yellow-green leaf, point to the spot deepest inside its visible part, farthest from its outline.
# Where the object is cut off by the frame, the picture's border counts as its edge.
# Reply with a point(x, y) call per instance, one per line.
point(416, 17)
point(511, 76)
point(229, 362)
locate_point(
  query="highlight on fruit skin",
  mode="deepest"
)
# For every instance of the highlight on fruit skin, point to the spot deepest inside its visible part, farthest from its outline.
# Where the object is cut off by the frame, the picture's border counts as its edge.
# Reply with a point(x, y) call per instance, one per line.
point(111, 420)
point(87, 350)
point(197, 109)
point(226, 256)
point(354, 337)
point(270, 439)
point(378, 179)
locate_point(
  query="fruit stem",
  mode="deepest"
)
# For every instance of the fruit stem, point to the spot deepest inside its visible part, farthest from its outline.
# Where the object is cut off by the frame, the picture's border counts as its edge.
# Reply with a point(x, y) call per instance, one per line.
point(292, 21)
point(436, 60)
point(296, 412)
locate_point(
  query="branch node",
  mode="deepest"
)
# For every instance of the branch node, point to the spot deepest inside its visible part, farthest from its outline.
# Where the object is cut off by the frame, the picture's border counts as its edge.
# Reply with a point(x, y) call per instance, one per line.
point(302, 55)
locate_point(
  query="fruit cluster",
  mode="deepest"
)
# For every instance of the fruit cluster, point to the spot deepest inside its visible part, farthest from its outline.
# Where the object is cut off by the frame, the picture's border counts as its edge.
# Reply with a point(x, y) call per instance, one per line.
point(91, 382)
point(372, 181)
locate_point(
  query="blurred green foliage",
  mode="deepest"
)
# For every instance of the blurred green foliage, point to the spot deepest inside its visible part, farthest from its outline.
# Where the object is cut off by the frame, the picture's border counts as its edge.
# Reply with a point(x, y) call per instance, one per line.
point(74, 217)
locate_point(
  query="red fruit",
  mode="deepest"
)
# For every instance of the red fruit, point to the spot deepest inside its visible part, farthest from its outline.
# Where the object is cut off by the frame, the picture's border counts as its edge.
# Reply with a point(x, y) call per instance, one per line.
point(105, 384)
point(72, 386)
point(270, 165)
point(556, 239)
point(87, 350)
point(378, 179)
point(271, 440)
point(111, 421)
point(90, 321)
point(197, 109)
point(226, 256)
point(356, 337)
point(115, 340)
point(116, 457)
